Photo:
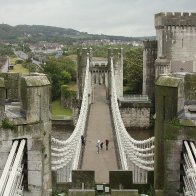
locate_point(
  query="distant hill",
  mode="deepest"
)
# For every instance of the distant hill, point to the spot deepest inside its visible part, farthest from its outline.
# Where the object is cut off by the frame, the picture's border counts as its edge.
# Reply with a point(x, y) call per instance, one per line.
point(33, 33)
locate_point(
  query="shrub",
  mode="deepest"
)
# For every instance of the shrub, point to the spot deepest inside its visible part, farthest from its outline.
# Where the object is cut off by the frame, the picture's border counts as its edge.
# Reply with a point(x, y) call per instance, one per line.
point(6, 124)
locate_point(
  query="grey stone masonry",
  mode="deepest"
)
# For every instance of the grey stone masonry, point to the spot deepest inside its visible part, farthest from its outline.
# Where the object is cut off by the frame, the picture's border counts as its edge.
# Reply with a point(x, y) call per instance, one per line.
point(12, 85)
point(135, 114)
point(31, 121)
point(2, 98)
point(81, 69)
point(35, 97)
point(175, 97)
point(176, 36)
point(175, 19)
point(149, 57)
point(117, 55)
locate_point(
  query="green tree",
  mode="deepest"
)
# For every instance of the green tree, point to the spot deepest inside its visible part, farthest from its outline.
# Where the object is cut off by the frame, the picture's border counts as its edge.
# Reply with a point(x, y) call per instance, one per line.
point(6, 50)
point(133, 69)
point(66, 76)
point(60, 71)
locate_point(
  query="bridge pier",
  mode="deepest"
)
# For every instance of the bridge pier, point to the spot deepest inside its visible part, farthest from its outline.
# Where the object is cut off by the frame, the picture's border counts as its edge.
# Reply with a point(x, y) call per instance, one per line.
point(29, 119)
point(174, 123)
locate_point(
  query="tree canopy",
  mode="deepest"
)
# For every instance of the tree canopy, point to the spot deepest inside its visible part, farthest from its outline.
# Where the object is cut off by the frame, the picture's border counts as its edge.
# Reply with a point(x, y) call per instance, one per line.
point(133, 69)
point(60, 71)
point(6, 50)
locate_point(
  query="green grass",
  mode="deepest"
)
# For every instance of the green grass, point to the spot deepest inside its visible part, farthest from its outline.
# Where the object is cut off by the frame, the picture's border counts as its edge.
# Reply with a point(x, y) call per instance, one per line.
point(57, 109)
point(19, 69)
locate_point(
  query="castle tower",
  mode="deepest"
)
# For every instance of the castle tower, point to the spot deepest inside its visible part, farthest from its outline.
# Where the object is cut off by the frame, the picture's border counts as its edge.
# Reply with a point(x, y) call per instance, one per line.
point(176, 36)
point(118, 68)
point(149, 57)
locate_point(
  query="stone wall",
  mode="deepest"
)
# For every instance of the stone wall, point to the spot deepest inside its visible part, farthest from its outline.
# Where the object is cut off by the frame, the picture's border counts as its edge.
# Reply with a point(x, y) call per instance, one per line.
point(135, 115)
point(12, 85)
point(123, 180)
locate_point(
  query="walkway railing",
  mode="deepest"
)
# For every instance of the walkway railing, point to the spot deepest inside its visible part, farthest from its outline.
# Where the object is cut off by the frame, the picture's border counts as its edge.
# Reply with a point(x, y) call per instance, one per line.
point(66, 154)
point(12, 176)
point(189, 179)
point(137, 156)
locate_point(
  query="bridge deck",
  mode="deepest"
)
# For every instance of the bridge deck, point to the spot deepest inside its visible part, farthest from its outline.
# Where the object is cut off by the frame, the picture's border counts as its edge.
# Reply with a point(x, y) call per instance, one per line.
point(99, 127)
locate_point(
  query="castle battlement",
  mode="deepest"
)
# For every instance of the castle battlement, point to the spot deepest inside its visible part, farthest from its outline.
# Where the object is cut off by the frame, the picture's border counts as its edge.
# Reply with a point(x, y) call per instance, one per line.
point(150, 44)
point(175, 19)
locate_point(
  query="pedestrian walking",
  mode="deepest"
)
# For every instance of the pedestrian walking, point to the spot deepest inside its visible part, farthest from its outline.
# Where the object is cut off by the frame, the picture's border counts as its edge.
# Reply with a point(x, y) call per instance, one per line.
point(106, 143)
point(82, 140)
point(98, 146)
point(101, 145)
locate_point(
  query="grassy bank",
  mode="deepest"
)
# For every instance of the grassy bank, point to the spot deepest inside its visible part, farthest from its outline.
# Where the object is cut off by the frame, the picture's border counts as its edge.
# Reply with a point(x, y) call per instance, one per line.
point(57, 109)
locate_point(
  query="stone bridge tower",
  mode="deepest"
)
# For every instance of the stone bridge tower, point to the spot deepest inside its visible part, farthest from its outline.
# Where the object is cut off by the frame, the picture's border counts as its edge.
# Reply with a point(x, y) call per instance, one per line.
point(117, 55)
point(82, 55)
point(149, 57)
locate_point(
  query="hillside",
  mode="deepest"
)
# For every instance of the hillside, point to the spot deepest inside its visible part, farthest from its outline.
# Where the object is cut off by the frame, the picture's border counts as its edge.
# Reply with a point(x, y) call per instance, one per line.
point(33, 33)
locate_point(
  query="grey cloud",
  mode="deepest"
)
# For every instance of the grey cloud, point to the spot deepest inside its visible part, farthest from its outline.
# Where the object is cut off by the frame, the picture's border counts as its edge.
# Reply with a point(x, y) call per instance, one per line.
point(117, 17)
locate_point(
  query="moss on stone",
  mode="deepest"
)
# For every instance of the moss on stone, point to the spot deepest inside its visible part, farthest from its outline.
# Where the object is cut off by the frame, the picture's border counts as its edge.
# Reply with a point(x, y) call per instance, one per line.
point(168, 81)
point(159, 192)
point(171, 131)
point(38, 80)
point(190, 86)
point(189, 133)
point(83, 176)
point(124, 180)
point(24, 94)
point(165, 96)
point(2, 84)
point(6, 124)
point(187, 122)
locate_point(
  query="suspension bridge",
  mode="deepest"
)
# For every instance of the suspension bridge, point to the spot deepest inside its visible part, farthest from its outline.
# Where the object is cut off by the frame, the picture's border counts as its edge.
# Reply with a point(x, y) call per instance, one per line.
point(137, 156)
point(97, 123)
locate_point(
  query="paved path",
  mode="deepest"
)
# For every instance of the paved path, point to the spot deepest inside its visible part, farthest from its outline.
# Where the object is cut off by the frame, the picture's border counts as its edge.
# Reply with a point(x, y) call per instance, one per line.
point(99, 127)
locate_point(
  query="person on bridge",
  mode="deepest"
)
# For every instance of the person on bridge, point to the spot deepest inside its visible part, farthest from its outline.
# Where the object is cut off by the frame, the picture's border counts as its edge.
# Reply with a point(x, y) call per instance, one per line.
point(82, 140)
point(106, 143)
point(101, 145)
point(98, 146)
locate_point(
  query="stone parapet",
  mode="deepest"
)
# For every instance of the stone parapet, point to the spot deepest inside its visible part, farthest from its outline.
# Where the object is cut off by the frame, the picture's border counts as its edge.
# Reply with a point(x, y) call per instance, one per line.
point(175, 19)
point(150, 44)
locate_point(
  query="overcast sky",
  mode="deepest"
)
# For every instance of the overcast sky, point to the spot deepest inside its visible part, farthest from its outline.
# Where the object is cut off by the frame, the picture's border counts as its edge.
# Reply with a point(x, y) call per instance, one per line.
point(112, 17)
